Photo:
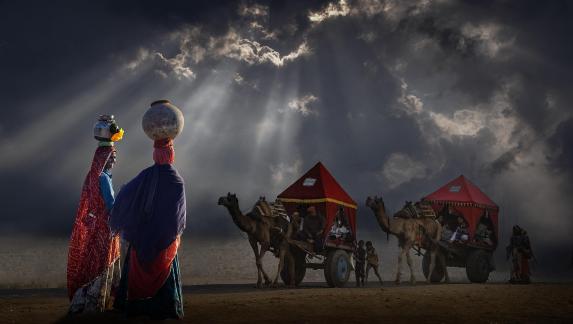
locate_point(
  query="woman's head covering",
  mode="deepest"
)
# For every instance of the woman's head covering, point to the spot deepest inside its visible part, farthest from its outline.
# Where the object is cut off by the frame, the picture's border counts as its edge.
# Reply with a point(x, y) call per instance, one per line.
point(89, 253)
point(163, 152)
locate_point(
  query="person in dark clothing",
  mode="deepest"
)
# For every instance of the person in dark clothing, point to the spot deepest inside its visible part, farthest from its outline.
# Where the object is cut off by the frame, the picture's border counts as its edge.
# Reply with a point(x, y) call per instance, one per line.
point(519, 249)
point(372, 258)
point(150, 214)
point(313, 227)
point(360, 263)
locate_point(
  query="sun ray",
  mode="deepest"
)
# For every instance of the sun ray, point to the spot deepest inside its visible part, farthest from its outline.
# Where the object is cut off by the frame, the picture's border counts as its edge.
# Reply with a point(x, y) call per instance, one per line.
point(55, 126)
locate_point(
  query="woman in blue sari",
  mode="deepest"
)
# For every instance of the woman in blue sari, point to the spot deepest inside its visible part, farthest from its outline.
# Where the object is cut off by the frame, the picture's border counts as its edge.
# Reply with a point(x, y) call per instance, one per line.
point(149, 212)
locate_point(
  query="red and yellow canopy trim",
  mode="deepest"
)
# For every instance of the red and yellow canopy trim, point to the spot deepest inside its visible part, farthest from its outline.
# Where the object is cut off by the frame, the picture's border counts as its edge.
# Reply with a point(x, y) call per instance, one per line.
point(317, 201)
point(462, 204)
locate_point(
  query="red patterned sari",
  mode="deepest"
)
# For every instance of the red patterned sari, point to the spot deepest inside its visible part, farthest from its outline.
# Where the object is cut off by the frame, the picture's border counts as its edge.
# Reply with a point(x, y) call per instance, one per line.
point(93, 258)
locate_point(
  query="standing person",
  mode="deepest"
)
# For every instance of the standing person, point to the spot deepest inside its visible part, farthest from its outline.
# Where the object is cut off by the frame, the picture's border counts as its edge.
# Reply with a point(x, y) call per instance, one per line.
point(372, 261)
point(519, 249)
point(360, 263)
point(150, 214)
point(93, 256)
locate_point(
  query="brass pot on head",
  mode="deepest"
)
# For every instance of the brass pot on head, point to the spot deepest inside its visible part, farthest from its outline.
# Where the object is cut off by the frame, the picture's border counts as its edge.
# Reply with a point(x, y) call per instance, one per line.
point(106, 129)
point(162, 120)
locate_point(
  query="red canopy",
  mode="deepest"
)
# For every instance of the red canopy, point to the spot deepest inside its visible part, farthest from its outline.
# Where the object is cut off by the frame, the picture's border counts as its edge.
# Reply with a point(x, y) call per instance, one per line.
point(319, 188)
point(317, 185)
point(467, 199)
point(461, 190)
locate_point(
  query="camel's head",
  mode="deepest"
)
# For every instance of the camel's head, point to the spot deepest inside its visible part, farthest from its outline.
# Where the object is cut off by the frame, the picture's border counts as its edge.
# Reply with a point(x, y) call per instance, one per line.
point(229, 200)
point(375, 203)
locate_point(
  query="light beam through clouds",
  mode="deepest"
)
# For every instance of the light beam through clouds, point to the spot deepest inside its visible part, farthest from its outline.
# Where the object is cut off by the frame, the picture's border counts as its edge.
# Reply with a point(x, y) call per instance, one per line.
point(396, 97)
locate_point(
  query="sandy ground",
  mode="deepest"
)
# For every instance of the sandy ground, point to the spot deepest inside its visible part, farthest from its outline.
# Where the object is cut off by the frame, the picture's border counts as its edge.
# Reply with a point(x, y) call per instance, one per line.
point(41, 263)
point(490, 303)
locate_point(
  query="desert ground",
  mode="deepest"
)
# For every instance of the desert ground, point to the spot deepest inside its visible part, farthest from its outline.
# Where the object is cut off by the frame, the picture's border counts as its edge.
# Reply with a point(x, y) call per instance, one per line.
point(219, 288)
point(315, 303)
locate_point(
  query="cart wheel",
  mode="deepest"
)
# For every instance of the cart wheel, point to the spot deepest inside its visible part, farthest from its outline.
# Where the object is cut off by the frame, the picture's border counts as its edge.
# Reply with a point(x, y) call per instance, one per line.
point(337, 270)
point(478, 266)
point(299, 267)
point(438, 273)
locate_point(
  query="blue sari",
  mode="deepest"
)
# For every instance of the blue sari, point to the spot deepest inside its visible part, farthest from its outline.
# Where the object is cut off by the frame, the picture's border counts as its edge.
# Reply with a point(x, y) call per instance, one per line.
point(150, 214)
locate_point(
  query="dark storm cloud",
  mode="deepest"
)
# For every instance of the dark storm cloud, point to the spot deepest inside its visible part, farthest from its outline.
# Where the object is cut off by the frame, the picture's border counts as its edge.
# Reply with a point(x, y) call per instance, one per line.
point(480, 68)
point(450, 39)
point(541, 51)
point(395, 97)
point(561, 141)
point(179, 12)
point(48, 47)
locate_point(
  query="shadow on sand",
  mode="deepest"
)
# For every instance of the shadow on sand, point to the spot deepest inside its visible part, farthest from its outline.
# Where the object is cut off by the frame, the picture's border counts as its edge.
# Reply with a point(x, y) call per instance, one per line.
point(109, 317)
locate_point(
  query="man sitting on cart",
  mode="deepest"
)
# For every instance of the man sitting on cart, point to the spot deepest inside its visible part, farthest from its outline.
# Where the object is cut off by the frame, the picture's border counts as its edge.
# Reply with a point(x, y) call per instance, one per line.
point(484, 234)
point(312, 228)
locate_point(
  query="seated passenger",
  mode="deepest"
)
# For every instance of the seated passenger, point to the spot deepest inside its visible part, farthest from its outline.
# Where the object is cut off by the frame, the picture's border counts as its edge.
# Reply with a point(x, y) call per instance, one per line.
point(461, 232)
point(339, 228)
point(446, 232)
point(484, 230)
point(313, 227)
point(483, 234)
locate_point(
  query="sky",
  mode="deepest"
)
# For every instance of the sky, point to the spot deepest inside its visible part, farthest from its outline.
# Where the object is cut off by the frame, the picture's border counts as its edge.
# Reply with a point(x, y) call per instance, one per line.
point(396, 98)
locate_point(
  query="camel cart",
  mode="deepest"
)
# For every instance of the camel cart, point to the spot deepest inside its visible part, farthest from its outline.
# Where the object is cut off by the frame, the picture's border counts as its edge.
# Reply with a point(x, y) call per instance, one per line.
point(318, 188)
point(460, 202)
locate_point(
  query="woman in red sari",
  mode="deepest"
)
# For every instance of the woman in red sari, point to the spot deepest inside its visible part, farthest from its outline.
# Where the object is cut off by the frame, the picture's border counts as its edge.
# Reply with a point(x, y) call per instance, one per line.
point(93, 257)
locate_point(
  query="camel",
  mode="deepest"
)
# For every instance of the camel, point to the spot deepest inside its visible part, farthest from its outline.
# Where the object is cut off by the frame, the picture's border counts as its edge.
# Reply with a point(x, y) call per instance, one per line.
point(265, 231)
point(406, 229)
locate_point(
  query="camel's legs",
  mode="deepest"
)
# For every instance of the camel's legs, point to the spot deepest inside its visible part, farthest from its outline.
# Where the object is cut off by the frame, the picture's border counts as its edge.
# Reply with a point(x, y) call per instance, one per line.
point(291, 269)
point(255, 248)
point(442, 260)
point(410, 265)
point(282, 254)
point(432, 265)
point(264, 249)
point(399, 266)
